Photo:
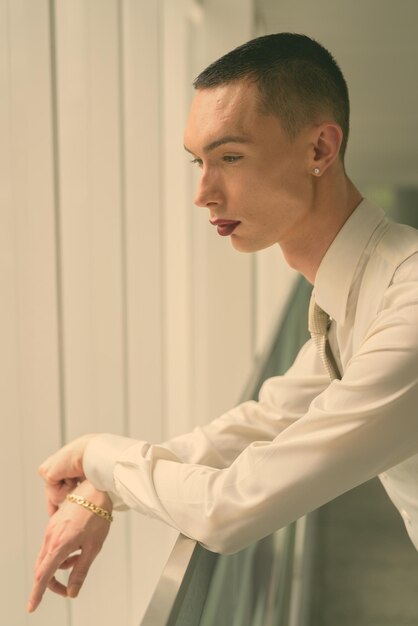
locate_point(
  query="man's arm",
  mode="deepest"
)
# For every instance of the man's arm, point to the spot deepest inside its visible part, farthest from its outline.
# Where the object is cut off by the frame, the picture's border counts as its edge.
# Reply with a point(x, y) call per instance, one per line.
point(282, 401)
point(358, 427)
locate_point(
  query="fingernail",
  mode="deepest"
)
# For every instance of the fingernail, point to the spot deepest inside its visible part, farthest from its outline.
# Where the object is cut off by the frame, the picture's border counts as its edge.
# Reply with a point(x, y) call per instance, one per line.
point(73, 592)
point(29, 608)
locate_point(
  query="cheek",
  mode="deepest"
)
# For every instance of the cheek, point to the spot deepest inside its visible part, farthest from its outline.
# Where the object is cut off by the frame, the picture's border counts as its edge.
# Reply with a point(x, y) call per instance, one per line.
point(277, 203)
point(274, 190)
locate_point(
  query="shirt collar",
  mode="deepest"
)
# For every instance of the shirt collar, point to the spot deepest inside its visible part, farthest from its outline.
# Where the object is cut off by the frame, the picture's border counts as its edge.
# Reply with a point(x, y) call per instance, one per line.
point(336, 271)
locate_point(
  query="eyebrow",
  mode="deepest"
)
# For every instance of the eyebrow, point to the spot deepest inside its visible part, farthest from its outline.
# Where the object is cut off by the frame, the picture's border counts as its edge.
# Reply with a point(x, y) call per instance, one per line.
point(221, 141)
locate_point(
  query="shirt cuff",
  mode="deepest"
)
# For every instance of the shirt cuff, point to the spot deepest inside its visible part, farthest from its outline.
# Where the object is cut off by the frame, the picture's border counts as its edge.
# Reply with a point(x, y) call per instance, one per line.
point(100, 457)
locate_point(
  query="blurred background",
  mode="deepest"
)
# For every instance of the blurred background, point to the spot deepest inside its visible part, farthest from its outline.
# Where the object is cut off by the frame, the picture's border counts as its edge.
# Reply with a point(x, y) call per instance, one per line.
point(121, 310)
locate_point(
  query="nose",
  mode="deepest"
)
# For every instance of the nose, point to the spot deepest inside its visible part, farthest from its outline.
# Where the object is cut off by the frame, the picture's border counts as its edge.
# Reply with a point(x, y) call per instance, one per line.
point(208, 192)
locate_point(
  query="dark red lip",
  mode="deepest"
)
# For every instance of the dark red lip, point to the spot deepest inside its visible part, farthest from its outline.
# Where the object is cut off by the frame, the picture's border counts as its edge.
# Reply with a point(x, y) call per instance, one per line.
point(225, 227)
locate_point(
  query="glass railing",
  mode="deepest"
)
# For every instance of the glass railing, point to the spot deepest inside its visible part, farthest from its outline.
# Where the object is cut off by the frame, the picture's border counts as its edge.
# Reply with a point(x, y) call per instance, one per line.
point(266, 583)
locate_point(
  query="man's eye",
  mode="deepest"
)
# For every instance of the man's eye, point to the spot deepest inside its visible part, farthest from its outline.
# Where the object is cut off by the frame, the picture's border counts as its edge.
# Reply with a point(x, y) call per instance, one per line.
point(230, 158)
point(197, 162)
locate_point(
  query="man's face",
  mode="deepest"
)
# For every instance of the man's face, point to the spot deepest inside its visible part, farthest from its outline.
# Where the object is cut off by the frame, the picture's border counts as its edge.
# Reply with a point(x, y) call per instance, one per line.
point(255, 181)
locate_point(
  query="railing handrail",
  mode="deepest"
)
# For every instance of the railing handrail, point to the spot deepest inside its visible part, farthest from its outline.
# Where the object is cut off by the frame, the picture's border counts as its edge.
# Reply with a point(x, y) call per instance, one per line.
point(175, 577)
point(187, 554)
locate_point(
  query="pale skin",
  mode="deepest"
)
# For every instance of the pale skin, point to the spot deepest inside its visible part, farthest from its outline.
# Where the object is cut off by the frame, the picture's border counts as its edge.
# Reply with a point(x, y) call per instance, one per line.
point(74, 535)
point(252, 172)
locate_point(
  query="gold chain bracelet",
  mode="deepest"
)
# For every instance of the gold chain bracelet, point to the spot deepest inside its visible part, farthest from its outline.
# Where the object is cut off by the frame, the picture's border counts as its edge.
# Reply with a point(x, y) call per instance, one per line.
point(97, 510)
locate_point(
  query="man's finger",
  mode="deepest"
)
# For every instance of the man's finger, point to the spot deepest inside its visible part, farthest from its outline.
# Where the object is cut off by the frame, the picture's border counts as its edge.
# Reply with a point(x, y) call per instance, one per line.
point(57, 587)
point(79, 573)
point(41, 554)
point(37, 593)
point(57, 492)
point(44, 580)
point(47, 564)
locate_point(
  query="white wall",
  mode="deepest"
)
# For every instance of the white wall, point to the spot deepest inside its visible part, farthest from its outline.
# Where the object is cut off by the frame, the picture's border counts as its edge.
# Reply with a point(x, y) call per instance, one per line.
point(30, 376)
point(121, 310)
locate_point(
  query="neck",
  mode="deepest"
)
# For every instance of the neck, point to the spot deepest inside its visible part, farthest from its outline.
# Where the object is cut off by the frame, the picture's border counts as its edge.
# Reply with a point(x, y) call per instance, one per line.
point(331, 205)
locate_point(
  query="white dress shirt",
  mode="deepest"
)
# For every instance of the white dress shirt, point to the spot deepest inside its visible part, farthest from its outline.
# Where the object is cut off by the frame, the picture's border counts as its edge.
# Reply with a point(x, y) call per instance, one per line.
point(264, 464)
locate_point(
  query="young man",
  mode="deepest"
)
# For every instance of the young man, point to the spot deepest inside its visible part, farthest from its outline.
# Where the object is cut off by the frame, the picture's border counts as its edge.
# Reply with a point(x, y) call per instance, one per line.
point(268, 128)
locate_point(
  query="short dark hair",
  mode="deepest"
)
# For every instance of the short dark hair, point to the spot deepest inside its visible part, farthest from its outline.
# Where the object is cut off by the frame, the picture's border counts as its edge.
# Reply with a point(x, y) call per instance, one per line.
point(297, 79)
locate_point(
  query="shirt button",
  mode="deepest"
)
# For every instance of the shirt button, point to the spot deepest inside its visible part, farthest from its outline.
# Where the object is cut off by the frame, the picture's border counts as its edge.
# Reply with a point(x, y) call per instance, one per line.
point(405, 517)
point(384, 476)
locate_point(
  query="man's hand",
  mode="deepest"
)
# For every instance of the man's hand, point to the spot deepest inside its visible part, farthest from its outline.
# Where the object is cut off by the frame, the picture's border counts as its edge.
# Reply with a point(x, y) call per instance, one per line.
point(63, 471)
point(73, 538)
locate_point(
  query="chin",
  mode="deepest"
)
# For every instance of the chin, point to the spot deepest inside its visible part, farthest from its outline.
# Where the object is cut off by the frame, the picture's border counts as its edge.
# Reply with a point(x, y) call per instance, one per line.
point(242, 245)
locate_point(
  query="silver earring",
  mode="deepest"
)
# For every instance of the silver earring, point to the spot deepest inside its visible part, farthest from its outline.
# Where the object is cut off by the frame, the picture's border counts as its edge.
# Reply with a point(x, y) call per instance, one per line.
point(316, 171)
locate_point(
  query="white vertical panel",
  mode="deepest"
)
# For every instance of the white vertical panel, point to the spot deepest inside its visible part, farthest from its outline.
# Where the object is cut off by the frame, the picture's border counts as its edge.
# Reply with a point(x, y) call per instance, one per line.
point(223, 336)
point(29, 392)
point(91, 212)
point(143, 184)
point(90, 203)
point(12, 594)
point(150, 542)
point(177, 224)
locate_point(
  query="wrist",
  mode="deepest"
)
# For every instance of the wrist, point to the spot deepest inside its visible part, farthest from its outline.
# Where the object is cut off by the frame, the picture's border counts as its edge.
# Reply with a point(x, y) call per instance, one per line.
point(97, 497)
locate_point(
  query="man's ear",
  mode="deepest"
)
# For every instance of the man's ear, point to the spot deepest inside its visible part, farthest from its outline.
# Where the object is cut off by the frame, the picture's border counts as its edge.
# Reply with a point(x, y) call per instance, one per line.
point(326, 141)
